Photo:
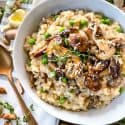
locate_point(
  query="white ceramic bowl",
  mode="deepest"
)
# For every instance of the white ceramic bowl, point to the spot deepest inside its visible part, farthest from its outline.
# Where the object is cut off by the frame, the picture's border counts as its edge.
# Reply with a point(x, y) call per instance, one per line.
point(113, 112)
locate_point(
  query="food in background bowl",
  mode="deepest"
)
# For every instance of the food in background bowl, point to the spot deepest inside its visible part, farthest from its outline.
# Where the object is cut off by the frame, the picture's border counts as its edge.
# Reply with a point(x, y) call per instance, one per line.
point(76, 60)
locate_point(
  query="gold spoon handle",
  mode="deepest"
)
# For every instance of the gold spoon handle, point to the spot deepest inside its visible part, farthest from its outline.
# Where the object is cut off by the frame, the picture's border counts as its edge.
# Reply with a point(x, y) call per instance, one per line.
point(31, 119)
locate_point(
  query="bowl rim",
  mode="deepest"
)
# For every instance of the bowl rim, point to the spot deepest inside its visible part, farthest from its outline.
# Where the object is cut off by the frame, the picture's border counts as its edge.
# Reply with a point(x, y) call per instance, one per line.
point(47, 107)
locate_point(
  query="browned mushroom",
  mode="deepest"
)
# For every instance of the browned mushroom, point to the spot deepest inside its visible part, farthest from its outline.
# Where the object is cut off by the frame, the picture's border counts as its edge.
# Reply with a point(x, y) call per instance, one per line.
point(94, 32)
point(74, 30)
point(10, 34)
point(32, 79)
point(92, 82)
point(98, 33)
point(114, 82)
point(89, 32)
point(119, 42)
point(95, 65)
point(106, 49)
point(65, 33)
point(114, 68)
point(79, 41)
point(39, 52)
point(73, 67)
point(3, 90)
point(8, 116)
point(101, 66)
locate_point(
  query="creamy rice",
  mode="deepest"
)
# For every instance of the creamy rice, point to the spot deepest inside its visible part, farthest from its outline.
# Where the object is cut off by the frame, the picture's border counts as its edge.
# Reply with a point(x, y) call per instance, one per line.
point(76, 60)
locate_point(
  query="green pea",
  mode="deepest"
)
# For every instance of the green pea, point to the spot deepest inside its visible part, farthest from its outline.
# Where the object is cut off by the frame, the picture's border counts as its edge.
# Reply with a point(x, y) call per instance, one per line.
point(122, 90)
point(47, 35)
point(44, 59)
point(53, 74)
point(106, 20)
point(42, 90)
point(32, 41)
point(64, 79)
point(83, 23)
point(62, 99)
point(61, 29)
point(71, 22)
point(119, 29)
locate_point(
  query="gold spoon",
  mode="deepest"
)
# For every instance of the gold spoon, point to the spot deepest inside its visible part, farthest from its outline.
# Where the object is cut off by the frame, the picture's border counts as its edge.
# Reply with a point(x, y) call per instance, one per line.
point(6, 68)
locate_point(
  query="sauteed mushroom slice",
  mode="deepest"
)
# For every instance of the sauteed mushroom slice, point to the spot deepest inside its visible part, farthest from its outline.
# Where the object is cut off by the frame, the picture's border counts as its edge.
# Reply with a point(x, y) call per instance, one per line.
point(114, 82)
point(101, 65)
point(98, 33)
point(8, 116)
point(119, 42)
point(3, 90)
point(95, 65)
point(40, 51)
point(92, 82)
point(114, 68)
point(79, 41)
point(73, 67)
point(106, 49)
point(66, 32)
point(94, 32)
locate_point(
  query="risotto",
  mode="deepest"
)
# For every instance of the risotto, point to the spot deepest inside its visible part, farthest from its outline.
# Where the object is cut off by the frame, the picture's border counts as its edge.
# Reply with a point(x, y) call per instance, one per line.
point(76, 60)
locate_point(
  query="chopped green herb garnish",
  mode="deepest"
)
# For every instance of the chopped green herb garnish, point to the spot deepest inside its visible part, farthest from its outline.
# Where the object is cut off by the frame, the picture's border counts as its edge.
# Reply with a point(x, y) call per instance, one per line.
point(119, 29)
point(62, 59)
point(66, 42)
point(62, 100)
point(64, 79)
point(118, 52)
point(44, 59)
point(31, 41)
point(26, 118)
point(83, 23)
point(71, 22)
point(53, 74)
point(18, 121)
point(9, 107)
point(1, 109)
point(47, 35)
point(106, 20)
point(59, 59)
point(1, 13)
point(32, 107)
point(61, 29)
point(83, 56)
point(122, 89)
